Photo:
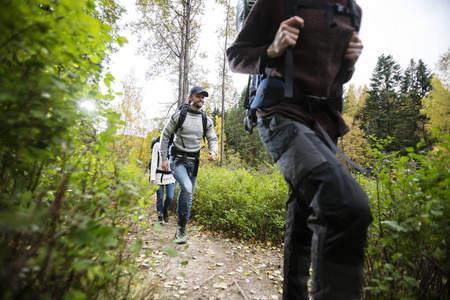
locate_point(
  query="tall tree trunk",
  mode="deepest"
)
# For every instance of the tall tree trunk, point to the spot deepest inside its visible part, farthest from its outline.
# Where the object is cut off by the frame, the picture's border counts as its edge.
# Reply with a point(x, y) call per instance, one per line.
point(224, 66)
point(187, 25)
point(180, 68)
point(172, 34)
point(180, 73)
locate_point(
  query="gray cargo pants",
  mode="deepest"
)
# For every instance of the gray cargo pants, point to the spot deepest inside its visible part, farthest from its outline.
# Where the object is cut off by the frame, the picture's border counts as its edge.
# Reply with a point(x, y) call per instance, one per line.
point(327, 214)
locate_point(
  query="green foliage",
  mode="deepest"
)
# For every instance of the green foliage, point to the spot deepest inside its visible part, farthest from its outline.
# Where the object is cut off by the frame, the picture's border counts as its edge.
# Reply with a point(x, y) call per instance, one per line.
point(240, 203)
point(393, 104)
point(168, 41)
point(437, 107)
point(67, 204)
point(408, 251)
point(248, 147)
point(68, 233)
point(378, 113)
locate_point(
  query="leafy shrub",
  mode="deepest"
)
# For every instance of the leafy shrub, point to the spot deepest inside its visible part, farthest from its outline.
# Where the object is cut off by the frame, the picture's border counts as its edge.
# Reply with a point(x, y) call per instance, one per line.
point(241, 203)
point(408, 250)
point(67, 203)
point(68, 234)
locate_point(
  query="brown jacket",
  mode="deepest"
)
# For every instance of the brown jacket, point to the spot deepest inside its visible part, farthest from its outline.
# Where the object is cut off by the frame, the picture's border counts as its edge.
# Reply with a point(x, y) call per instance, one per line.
point(319, 67)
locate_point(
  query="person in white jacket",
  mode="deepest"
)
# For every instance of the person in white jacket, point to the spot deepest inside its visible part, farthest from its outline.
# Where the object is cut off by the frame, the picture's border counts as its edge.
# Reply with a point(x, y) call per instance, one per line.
point(165, 180)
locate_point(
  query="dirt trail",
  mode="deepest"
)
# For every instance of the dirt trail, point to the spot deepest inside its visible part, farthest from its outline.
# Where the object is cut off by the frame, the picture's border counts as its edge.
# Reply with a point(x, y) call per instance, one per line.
point(208, 266)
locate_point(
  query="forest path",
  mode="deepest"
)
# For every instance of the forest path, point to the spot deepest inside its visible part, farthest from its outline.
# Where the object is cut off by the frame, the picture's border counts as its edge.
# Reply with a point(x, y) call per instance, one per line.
point(208, 266)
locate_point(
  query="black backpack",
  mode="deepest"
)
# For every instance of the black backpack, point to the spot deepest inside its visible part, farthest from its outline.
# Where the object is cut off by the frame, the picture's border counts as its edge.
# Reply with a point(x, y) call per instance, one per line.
point(154, 141)
point(243, 9)
point(182, 117)
point(254, 81)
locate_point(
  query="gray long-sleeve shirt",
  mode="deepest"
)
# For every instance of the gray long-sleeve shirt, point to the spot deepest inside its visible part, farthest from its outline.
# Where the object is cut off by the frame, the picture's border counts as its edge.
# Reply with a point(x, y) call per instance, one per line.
point(189, 137)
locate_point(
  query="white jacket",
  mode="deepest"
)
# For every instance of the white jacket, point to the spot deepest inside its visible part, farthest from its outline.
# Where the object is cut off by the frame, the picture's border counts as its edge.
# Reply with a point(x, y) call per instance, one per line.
point(160, 178)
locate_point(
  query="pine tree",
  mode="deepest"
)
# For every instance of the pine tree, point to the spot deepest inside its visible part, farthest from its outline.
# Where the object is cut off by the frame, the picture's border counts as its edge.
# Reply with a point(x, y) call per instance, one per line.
point(379, 114)
point(415, 85)
point(247, 146)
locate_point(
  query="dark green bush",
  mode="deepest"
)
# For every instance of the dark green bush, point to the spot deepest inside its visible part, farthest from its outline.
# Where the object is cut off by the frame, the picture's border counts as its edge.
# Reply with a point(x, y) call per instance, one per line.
point(408, 244)
point(241, 203)
point(408, 255)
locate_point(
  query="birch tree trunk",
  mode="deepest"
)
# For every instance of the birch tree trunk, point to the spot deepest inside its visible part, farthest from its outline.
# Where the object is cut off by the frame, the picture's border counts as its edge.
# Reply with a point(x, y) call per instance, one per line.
point(227, 33)
point(170, 31)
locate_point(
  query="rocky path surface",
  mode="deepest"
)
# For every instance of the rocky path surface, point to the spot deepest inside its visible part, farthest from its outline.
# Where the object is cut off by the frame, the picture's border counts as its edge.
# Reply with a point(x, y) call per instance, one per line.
point(209, 266)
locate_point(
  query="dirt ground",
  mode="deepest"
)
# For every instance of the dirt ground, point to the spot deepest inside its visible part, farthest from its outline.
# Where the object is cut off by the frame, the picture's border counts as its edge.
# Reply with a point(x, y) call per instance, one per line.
point(208, 266)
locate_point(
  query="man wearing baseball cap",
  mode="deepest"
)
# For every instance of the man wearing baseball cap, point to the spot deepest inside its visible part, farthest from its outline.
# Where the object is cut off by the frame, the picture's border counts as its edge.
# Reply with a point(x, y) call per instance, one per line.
point(185, 151)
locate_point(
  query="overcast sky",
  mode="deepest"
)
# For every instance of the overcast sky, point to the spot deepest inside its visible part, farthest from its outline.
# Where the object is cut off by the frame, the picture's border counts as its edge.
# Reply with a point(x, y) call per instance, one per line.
point(405, 29)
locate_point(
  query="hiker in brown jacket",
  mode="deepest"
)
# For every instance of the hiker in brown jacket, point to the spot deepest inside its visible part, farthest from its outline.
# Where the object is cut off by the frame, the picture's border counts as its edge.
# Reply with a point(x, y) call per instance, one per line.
point(327, 211)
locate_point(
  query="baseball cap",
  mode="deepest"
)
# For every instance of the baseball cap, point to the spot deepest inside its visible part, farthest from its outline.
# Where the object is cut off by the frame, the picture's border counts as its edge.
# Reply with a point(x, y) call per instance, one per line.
point(198, 90)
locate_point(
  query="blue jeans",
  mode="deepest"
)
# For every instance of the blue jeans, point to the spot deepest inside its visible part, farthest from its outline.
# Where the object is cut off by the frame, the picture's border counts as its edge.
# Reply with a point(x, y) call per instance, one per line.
point(328, 214)
point(183, 172)
point(170, 189)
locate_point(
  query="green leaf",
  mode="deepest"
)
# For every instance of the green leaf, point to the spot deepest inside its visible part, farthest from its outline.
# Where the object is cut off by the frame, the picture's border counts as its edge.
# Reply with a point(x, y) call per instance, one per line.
point(95, 59)
point(404, 159)
point(394, 225)
point(184, 263)
point(75, 295)
point(107, 259)
point(135, 247)
point(109, 76)
point(169, 251)
point(21, 56)
point(436, 213)
point(411, 281)
point(121, 40)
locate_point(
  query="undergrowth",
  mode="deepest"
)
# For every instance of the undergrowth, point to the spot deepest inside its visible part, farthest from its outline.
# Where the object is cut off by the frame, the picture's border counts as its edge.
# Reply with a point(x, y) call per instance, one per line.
point(244, 204)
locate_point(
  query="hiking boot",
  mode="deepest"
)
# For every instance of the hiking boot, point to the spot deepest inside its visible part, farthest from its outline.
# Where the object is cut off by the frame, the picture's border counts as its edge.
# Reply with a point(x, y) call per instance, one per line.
point(180, 235)
point(165, 216)
point(160, 220)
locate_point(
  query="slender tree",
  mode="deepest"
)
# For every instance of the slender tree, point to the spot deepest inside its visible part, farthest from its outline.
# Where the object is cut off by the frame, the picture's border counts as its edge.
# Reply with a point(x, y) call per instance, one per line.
point(134, 127)
point(436, 106)
point(227, 32)
point(168, 33)
point(443, 69)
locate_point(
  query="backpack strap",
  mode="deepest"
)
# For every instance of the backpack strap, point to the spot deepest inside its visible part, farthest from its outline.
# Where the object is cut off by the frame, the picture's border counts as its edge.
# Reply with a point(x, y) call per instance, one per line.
point(204, 123)
point(354, 14)
point(289, 11)
point(329, 141)
point(335, 9)
point(181, 117)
